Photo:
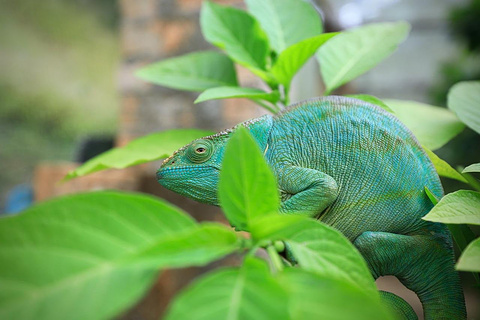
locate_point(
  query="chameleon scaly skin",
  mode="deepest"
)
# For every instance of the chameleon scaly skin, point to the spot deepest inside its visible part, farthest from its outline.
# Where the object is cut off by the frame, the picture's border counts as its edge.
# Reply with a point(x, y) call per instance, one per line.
point(357, 168)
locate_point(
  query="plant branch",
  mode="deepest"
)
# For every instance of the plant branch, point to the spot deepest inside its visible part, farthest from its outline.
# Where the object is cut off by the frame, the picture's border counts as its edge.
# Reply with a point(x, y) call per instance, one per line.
point(472, 181)
point(273, 109)
point(275, 258)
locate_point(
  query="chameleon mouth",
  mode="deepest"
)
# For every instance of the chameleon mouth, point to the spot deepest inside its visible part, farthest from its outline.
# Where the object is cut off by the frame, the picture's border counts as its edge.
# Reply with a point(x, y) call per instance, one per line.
point(180, 172)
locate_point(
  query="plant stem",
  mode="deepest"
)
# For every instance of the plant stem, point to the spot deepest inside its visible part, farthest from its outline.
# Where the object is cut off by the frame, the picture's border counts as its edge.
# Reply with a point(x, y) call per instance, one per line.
point(273, 110)
point(275, 258)
point(472, 181)
point(286, 95)
point(252, 250)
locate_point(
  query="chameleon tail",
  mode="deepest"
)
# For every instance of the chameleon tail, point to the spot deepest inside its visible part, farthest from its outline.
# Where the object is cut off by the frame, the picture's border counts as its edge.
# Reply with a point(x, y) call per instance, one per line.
point(399, 306)
point(423, 263)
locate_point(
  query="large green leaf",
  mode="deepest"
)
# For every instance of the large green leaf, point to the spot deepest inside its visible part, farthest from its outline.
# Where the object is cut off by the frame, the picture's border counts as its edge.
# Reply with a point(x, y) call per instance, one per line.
point(277, 227)
point(294, 57)
point(196, 246)
point(371, 99)
point(443, 168)
point(148, 148)
point(472, 168)
point(250, 292)
point(356, 51)
point(247, 188)
point(238, 92)
point(236, 32)
point(462, 206)
point(196, 71)
point(464, 100)
point(312, 296)
point(281, 20)
point(317, 248)
point(433, 126)
point(65, 259)
point(470, 258)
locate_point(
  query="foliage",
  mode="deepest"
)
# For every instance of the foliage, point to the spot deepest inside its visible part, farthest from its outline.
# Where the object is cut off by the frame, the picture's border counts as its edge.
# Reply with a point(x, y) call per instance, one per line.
point(464, 23)
point(354, 52)
point(276, 52)
point(105, 248)
point(465, 31)
point(247, 189)
point(463, 207)
point(433, 126)
point(463, 100)
point(141, 150)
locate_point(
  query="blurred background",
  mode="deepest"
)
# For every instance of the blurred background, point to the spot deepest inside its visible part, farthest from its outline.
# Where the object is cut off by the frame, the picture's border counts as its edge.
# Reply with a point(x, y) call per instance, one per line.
point(59, 62)
point(67, 89)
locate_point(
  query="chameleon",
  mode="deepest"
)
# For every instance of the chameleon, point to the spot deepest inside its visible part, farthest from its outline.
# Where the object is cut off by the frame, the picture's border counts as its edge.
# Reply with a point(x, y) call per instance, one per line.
point(353, 166)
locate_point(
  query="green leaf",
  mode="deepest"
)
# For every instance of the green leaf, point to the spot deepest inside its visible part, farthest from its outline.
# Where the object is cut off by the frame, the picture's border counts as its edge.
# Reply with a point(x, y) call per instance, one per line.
point(472, 168)
point(356, 51)
point(312, 296)
point(462, 206)
point(294, 57)
point(443, 168)
point(281, 21)
point(462, 235)
point(145, 149)
point(250, 292)
point(236, 32)
point(196, 246)
point(196, 71)
point(247, 188)
point(317, 248)
point(238, 92)
point(470, 258)
point(65, 258)
point(277, 227)
point(433, 126)
point(431, 196)
point(464, 100)
point(324, 250)
point(371, 99)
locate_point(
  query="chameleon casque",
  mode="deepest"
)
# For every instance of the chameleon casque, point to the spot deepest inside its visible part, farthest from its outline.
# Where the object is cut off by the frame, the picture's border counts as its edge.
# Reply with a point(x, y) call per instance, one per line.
point(353, 166)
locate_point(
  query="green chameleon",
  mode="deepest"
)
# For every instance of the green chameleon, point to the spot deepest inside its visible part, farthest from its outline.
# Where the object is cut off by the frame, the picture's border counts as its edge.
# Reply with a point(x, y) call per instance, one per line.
point(353, 166)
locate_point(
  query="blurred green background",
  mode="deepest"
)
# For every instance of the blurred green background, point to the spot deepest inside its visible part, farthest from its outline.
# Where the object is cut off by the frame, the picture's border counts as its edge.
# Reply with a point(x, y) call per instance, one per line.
point(58, 62)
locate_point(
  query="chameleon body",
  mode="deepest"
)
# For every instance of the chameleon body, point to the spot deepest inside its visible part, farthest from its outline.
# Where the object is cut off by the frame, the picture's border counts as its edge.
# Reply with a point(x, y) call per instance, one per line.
point(355, 167)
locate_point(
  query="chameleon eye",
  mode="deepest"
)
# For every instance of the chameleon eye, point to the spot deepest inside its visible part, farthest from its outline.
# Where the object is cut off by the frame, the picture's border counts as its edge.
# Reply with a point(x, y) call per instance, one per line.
point(200, 151)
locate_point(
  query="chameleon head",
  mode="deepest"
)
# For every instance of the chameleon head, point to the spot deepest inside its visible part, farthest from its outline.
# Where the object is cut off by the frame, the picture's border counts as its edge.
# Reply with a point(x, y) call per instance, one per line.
point(193, 171)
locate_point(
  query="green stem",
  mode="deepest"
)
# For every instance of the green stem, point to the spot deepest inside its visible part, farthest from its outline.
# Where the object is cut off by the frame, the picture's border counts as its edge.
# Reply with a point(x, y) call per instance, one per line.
point(472, 181)
point(252, 251)
point(286, 98)
point(272, 109)
point(275, 258)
